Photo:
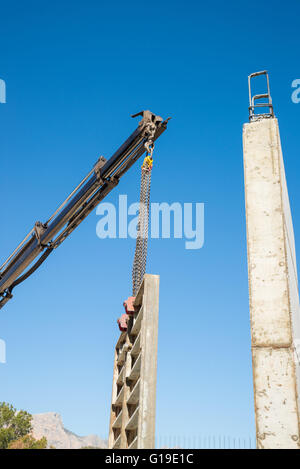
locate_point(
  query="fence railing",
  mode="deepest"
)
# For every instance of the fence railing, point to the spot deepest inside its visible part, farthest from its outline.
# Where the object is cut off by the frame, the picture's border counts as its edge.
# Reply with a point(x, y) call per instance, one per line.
point(205, 442)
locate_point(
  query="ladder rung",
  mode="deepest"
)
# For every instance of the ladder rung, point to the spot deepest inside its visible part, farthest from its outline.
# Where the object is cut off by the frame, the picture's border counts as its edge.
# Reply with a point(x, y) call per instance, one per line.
point(119, 398)
point(134, 420)
point(121, 339)
point(135, 394)
point(136, 346)
point(117, 442)
point(133, 445)
point(118, 422)
point(122, 354)
point(136, 369)
point(120, 379)
point(137, 323)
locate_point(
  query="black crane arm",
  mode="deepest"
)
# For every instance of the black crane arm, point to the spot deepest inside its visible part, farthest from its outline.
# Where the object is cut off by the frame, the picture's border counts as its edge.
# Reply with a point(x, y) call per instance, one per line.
point(105, 175)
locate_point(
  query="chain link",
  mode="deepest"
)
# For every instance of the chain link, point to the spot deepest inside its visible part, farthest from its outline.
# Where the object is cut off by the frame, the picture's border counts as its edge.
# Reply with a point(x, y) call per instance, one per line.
point(140, 256)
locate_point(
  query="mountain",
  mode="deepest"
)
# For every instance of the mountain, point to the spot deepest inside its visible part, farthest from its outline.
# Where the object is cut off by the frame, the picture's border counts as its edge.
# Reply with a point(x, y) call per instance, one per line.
point(51, 426)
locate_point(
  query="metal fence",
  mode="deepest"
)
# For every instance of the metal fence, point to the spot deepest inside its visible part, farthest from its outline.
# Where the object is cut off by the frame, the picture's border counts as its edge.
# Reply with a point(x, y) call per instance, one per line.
point(205, 442)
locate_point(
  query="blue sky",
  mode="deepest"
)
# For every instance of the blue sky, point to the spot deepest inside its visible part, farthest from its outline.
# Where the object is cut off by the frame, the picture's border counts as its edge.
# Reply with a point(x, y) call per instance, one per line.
point(75, 71)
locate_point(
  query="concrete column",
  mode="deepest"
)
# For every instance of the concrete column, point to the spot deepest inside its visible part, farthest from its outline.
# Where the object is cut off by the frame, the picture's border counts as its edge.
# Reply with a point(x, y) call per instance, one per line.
point(273, 288)
point(146, 422)
point(132, 420)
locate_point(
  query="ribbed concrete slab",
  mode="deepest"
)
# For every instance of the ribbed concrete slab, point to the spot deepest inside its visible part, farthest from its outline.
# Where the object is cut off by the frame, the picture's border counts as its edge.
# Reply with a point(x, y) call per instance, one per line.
point(132, 422)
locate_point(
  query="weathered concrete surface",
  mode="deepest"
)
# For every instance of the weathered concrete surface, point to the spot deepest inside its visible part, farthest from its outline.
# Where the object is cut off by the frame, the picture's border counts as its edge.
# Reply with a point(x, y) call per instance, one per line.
point(273, 288)
point(147, 414)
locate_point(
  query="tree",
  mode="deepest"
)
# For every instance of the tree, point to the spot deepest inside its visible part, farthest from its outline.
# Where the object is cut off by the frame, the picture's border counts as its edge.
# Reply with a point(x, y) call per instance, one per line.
point(16, 428)
point(88, 447)
point(28, 442)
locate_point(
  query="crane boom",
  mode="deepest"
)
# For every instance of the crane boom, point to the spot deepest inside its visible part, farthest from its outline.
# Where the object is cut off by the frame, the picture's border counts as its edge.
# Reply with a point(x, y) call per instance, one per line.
point(105, 175)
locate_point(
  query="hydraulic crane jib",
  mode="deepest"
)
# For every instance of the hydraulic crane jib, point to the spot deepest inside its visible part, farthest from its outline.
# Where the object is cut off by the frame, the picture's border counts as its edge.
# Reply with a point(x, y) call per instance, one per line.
point(105, 175)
